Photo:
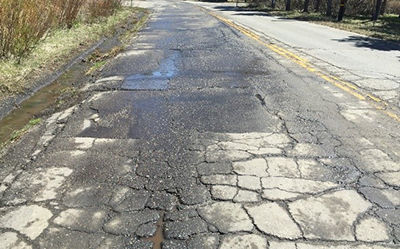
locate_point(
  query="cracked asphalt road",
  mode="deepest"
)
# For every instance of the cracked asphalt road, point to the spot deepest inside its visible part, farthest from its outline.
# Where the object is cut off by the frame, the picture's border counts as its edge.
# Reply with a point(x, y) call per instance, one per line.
point(370, 64)
point(198, 137)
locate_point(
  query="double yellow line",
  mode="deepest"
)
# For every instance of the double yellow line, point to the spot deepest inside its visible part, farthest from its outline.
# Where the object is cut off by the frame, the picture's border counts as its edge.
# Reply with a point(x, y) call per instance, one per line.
point(344, 85)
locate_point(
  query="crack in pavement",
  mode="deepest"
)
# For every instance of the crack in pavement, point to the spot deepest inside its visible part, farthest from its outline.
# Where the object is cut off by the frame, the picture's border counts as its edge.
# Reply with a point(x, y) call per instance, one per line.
point(206, 163)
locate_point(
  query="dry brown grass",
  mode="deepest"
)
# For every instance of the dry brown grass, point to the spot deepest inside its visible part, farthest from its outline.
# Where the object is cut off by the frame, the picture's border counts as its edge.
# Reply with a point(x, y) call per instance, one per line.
point(24, 22)
point(59, 46)
point(67, 11)
point(101, 8)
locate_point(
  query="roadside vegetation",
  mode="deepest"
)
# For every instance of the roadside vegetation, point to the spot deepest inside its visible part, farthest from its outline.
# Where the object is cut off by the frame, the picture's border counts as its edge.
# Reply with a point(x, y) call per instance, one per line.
point(374, 18)
point(39, 36)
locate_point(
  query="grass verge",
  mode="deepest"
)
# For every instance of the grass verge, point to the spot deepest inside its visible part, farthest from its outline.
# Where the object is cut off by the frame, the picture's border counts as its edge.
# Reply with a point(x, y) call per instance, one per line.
point(56, 49)
point(387, 27)
point(65, 91)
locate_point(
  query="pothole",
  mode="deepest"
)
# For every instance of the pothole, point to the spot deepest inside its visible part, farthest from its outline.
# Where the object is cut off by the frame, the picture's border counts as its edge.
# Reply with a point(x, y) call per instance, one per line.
point(158, 237)
point(156, 80)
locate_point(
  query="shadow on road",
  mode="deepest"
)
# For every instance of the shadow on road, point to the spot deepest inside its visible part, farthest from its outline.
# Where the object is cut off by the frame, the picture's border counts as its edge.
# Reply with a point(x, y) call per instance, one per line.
point(366, 42)
point(227, 8)
point(388, 25)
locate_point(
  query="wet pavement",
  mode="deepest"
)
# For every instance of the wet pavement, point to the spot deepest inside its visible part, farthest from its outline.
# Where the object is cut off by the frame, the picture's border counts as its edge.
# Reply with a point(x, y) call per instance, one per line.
point(198, 137)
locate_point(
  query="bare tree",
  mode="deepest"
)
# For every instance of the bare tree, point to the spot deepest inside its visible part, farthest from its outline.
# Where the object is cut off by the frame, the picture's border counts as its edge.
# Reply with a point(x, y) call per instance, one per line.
point(329, 7)
point(377, 10)
point(317, 4)
point(341, 10)
point(287, 7)
point(383, 7)
point(306, 4)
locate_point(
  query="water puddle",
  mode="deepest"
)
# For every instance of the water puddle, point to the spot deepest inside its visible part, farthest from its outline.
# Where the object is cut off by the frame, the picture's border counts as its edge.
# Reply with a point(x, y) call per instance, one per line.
point(158, 237)
point(18, 118)
point(54, 97)
point(34, 106)
point(157, 80)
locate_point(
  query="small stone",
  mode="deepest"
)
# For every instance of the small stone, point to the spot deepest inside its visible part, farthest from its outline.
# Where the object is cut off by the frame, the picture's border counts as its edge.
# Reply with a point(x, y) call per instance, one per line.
point(281, 166)
point(277, 194)
point(371, 229)
point(247, 241)
point(255, 167)
point(249, 182)
point(220, 179)
point(275, 220)
point(246, 196)
point(222, 192)
point(391, 178)
point(227, 217)
point(29, 220)
point(330, 216)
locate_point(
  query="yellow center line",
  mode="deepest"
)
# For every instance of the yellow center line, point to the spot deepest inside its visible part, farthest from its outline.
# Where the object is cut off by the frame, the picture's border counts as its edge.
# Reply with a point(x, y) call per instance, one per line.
point(344, 85)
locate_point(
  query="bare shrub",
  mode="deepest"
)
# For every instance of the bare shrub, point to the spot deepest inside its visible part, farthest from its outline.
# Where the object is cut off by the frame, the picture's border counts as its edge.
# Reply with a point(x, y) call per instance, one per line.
point(393, 7)
point(22, 24)
point(101, 8)
point(67, 11)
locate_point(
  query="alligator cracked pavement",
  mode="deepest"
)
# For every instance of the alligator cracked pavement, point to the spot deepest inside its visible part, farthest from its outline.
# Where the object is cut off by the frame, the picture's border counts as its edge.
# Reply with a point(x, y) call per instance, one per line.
point(198, 137)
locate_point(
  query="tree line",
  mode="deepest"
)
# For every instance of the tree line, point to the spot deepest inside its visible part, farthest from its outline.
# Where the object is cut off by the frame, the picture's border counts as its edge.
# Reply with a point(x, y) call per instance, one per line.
point(372, 8)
